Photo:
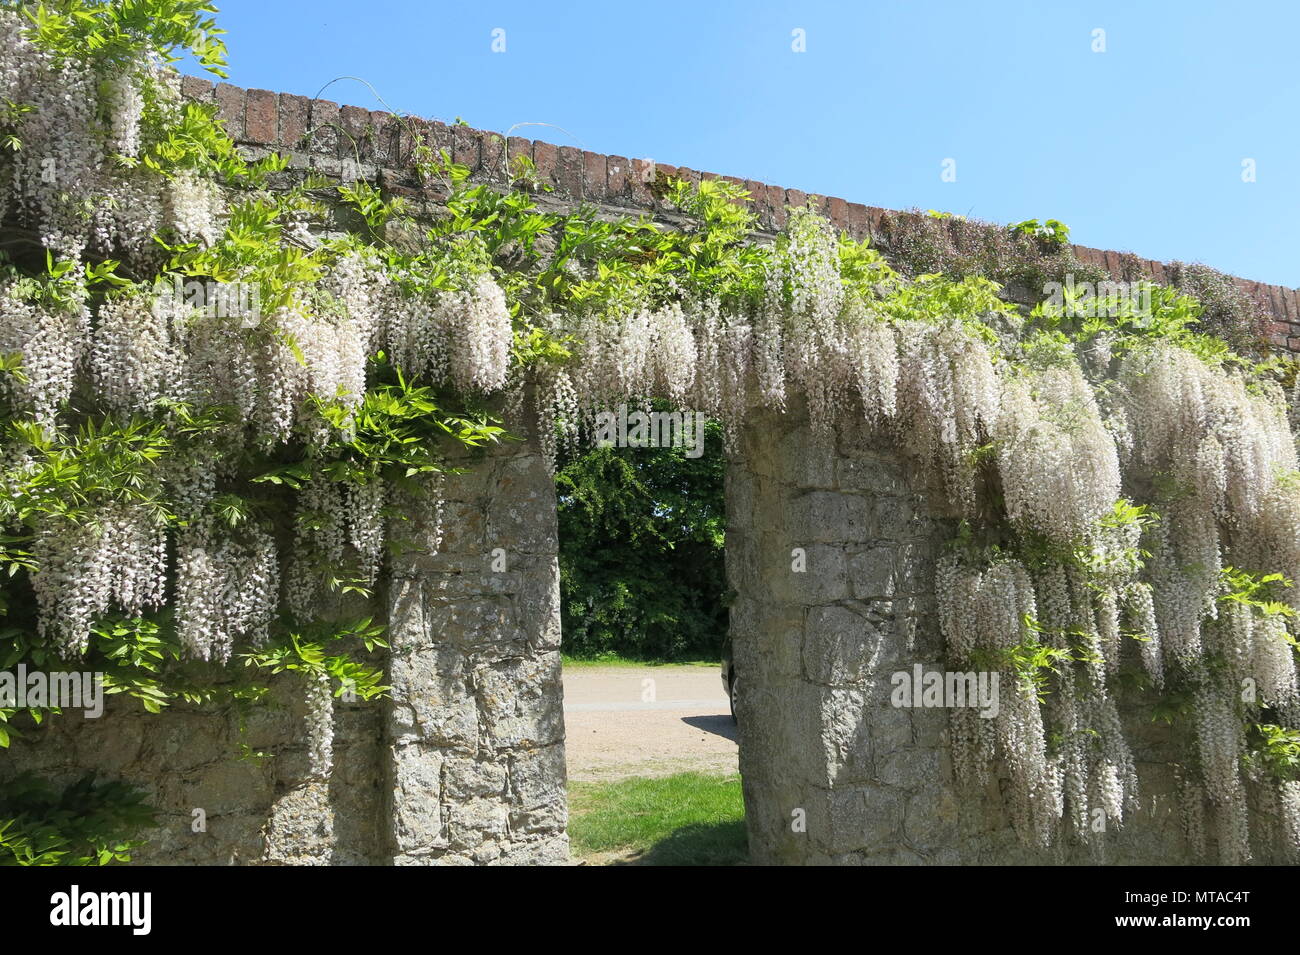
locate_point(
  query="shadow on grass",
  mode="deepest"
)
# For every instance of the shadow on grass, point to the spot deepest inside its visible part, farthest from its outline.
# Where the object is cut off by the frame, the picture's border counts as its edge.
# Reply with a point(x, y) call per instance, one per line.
point(701, 843)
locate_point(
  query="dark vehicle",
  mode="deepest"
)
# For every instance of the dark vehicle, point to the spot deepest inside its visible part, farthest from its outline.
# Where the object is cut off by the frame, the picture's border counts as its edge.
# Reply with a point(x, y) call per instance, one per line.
point(729, 680)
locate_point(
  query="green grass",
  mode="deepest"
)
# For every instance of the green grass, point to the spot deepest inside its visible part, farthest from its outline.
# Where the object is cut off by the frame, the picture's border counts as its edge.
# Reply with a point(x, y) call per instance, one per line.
point(686, 819)
point(613, 660)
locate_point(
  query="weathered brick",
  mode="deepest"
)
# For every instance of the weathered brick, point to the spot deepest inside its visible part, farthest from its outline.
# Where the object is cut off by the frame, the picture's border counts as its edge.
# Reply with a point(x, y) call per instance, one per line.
point(1158, 272)
point(617, 174)
point(875, 222)
point(413, 135)
point(466, 148)
point(230, 109)
point(260, 117)
point(595, 176)
point(838, 213)
point(776, 206)
point(568, 171)
point(295, 119)
point(855, 219)
point(440, 138)
point(795, 198)
point(493, 162)
point(1291, 305)
point(355, 124)
point(544, 156)
point(324, 127)
point(518, 146)
point(197, 88)
point(1090, 256)
point(689, 176)
point(385, 136)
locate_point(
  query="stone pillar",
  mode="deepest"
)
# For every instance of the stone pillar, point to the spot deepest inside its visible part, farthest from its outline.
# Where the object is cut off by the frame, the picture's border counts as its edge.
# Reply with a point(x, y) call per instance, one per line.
point(831, 556)
point(476, 727)
point(834, 773)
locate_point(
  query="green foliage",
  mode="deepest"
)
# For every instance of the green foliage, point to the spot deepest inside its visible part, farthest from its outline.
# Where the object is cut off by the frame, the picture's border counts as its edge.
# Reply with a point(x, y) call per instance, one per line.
point(1252, 590)
point(1052, 231)
point(87, 823)
point(641, 552)
point(1031, 661)
point(122, 33)
point(1276, 749)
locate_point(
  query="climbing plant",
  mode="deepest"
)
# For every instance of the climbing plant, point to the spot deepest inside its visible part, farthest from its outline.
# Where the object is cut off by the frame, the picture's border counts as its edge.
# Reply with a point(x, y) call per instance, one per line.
point(220, 408)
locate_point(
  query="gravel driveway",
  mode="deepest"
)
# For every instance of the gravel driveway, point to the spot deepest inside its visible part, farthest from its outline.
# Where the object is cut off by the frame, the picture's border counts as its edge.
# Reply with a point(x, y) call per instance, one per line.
point(646, 721)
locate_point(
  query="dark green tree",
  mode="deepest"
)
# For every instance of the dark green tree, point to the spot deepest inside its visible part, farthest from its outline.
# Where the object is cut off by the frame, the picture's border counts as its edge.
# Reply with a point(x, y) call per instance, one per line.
point(641, 552)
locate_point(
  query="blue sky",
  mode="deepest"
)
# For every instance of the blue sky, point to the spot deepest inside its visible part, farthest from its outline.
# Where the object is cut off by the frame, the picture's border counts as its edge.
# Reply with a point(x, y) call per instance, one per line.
point(1139, 147)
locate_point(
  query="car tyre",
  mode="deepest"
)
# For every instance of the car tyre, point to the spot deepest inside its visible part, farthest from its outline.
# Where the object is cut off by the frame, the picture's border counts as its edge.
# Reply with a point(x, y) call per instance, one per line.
point(731, 694)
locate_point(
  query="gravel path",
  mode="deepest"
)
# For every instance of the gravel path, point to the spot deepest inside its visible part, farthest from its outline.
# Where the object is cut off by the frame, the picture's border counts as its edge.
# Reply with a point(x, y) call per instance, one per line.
point(646, 721)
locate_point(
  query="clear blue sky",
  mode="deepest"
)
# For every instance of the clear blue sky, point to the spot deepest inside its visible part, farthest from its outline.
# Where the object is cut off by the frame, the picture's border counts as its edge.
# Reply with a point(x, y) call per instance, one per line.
point(1136, 148)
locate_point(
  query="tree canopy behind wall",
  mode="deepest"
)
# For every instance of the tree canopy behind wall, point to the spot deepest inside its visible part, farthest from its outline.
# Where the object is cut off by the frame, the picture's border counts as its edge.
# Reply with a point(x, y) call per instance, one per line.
point(641, 552)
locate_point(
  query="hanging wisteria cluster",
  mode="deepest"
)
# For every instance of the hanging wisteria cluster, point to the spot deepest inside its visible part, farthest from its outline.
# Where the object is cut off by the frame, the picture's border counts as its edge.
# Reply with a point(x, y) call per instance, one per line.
point(1044, 451)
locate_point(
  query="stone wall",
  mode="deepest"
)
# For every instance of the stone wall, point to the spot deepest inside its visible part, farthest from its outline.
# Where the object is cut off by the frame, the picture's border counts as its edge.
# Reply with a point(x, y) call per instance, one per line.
point(463, 764)
point(234, 785)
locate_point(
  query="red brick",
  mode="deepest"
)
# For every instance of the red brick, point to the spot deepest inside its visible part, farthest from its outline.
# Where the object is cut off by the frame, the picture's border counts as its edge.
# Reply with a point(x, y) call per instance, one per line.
point(794, 198)
point(642, 174)
point(414, 133)
point(324, 127)
point(855, 218)
point(260, 117)
point(230, 109)
point(385, 134)
point(690, 176)
point(197, 88)
point(776, 206)
point(295, 116)
point(1158, 273)
point(617, 170)
point(837, 212)
point(466, 148)
point(595, 176)
point(1291, 302)
point(440, 140)
point(876, 221)
point(355, 123)
point(493, 165)
point(568, 171)
point(1273, 301)
point(518, 146)
point(1090, 256)
point(544, 156)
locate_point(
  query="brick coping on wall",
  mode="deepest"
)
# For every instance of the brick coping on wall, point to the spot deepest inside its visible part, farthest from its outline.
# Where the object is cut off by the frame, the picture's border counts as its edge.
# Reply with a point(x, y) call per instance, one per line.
point(322, 133)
